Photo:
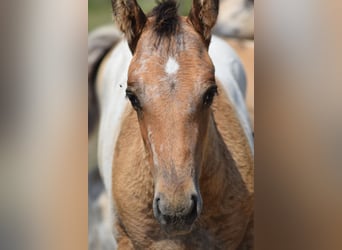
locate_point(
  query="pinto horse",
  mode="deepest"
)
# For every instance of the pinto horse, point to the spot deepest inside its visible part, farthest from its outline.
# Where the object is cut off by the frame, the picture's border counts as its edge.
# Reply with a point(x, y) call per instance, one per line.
point(175, 146)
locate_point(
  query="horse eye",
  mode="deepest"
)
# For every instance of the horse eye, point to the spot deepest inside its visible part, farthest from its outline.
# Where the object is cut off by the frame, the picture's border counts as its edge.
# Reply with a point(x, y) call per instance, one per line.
point(133, 99)
point(209, 96)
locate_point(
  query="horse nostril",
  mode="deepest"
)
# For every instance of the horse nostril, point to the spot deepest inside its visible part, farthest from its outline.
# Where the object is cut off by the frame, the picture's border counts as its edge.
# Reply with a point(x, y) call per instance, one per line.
point(193, 211)
point(194, 198)
point(193, 203)
point(156, 209)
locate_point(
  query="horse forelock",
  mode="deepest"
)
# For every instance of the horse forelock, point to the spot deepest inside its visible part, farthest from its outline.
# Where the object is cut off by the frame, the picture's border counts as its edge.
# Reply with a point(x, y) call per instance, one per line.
point(166, 18)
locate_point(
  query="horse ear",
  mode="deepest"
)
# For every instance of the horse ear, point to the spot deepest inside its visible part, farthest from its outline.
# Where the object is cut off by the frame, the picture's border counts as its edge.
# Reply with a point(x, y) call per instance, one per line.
point(203, 15)
point(130, 18)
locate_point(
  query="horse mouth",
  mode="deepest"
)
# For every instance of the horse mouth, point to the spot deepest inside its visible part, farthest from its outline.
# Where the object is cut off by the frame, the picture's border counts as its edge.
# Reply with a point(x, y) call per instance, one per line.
point(175, 226)
point(177, 229)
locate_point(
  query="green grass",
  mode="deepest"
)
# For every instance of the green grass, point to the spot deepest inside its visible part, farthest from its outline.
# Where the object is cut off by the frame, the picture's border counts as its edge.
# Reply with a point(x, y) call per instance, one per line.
point(100, 11)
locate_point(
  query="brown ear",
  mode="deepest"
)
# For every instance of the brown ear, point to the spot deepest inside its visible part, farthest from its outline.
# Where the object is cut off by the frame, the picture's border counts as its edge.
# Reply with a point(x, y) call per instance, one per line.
point(203, 15)
point(130, 18)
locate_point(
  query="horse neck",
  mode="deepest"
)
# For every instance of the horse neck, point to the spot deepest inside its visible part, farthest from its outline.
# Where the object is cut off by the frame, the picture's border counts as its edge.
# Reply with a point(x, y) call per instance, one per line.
point(214, 158)
point(227, 165)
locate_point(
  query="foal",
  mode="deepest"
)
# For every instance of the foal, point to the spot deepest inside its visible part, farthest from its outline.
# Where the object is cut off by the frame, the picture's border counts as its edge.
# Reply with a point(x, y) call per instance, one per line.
point(178, 161)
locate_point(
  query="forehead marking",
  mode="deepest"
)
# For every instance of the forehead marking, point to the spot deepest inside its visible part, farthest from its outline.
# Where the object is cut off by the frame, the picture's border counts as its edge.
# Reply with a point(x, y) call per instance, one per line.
point(171, 66)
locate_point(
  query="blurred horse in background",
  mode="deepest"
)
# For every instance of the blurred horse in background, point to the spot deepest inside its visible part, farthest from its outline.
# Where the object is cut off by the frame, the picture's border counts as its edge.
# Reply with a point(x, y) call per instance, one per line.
point(245, 50)
point(235, 23)
point(236, 19)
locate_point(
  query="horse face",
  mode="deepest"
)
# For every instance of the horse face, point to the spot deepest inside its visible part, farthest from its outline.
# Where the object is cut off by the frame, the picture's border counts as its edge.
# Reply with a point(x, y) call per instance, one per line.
point(172, 94)
point(171, 85)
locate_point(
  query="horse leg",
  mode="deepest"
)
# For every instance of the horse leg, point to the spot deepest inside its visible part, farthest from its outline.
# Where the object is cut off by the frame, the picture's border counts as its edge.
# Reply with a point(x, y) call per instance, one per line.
point(248, 239)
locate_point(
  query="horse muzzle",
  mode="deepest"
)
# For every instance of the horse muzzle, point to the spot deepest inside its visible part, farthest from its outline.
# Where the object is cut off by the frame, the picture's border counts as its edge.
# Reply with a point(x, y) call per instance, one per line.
point(177, 218)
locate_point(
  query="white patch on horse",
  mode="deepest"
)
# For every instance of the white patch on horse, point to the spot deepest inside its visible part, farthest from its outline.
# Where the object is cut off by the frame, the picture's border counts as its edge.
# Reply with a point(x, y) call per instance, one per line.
point(113, 104)
point(171, 66)
point(230, 72)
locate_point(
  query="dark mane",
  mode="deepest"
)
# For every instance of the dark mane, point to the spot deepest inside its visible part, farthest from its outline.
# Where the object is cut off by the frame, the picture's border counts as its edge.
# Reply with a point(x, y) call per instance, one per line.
point(166, 18)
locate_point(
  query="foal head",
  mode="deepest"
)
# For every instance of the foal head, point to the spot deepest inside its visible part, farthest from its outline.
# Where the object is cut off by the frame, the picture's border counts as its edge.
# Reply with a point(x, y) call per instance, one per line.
point(171, 85)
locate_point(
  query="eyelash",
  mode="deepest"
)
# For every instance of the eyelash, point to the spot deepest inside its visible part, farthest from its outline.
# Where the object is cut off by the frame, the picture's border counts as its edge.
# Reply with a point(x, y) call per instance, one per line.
point(134, 100)
point(208, 97)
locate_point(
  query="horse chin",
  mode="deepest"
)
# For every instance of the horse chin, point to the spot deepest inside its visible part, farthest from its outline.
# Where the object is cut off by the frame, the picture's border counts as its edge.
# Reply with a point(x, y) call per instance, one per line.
point(177, 230)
